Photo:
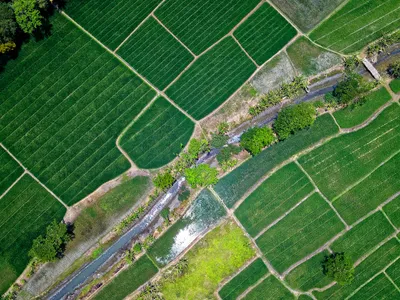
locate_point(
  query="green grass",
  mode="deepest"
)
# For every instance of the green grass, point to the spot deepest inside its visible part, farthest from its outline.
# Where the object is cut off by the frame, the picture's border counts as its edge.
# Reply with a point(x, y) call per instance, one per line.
point(343, 161)
point(392, 210)
point(304, 297)
point(349, 117)
point(235, 184)
point(155, 54)
point(245, 279)
point(382, 184)
point(264, 33)
point(199, 24)
point(302, 231)
point(25, 212)
point(158, 136)
point(276, 195)
point(212, 79)
point(372, 265)
point(9, 172)
point(218, 255)
point(205, 212)
point(269, 288)
point(357, 24)
point(395, 85)
point(309, 274)
point(306, 14)
point(128, 280)
point(379, 288)
point(64, 102)
point(310, 59)
point(110, 21)
point(394, 272)
point(364, 236)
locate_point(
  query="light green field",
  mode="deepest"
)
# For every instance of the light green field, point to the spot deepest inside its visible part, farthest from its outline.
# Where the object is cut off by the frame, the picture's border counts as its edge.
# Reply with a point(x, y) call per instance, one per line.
point(392, 210)
point(9, 172)
point(270, 288)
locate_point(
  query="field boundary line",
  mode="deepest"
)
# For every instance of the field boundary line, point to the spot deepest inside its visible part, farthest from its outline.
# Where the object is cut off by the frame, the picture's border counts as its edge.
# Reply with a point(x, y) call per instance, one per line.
point(244, 50)
point(12, 185)
point(386, 216)
point(252, 287)
point(26, 171)
point(391, 280)
point(285, 17)
point(336, 122)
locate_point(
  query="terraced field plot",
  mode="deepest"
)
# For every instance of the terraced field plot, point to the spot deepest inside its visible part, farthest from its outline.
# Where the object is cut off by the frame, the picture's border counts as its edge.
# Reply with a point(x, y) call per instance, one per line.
point(392, 210)
point(9, 172)
point(275, 196)
point(345, 160)
point(358, 23)
point(264, 33)
point(63, 121)
point(306, 228)
point(155, 54)
point(269, 288)
point(156, 138)
point(110, 21)
point(25, 212)
point(212, 79)
point(199, 24)
point(379, 288)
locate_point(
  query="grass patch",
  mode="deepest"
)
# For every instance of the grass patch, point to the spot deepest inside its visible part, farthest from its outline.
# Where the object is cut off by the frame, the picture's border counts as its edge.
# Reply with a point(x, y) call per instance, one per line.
point(110, 21)
point(202, 23)
point(218, 255)
point(205, 212)
point(309, 274)
point(394, 272)
point(301, 232)
point(358, 23)
point(307, 13)
point(346, 159)
point(395, 85)
point(245, 279)
point(62, 121)
point(212, 79)
point(273, 198)
point(158, 136)
point(382, 184)
point(235, 184)
point(373, 264)
point(264, 33)
point(364, 236)
point(310, 59)
point(392, 210)
point(25, 212)
point(129, 280)
point(9, 172)
point(379, 288)
point(269, 288)
point(349, 117)
point(155, 54)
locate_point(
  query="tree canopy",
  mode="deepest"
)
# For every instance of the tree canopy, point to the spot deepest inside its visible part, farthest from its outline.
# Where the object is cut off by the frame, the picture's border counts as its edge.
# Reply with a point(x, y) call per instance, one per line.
point(351, 88)
point(8, 28)
point(255, 139)
point(394, 69)
point(163, 181)
point(28, 15)
point(202, 175)
point(339, 267)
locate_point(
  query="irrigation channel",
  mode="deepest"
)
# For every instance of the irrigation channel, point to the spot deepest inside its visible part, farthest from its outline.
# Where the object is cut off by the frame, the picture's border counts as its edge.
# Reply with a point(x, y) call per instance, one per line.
point(195, 221)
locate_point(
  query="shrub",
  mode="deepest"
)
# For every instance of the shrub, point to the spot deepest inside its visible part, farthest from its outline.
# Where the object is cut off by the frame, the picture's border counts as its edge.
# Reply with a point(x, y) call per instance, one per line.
point(339, 267)
point(163, 181)
point(351, 87)
point(228, 164)
point(196, 147)
point(202, 175)
point(226, 153)
point(184, 195)
point(137, 248)
point(223, 127)
point(219, 140)
point(165, 213)
point(255, 139)
point(394, 69)
point(351, 63)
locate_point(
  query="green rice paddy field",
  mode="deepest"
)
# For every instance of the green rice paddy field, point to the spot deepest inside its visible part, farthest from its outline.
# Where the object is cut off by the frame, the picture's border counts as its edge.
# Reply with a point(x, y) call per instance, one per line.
point(9, 172)
point(269, 288)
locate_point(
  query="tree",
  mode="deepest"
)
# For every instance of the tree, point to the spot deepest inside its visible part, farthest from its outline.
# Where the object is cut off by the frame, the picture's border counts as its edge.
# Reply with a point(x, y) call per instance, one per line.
point(223, 127)
point(294, 118)
point(164, 181)
point(339, 267)
point(255, 139)
point(202, 175)
point(352, 87)
point(196, 147)
point(165, 214)
point(226, 153)
point(27, 14)
point(50, 247)
point(8, 28)
point(394, 69)
point(219, 140)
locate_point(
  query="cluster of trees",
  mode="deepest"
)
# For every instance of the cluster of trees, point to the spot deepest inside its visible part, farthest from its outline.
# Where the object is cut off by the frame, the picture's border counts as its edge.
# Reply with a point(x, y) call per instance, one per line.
point(339, 267)
point(383, 43)
point(394, 69)
point(255, 139)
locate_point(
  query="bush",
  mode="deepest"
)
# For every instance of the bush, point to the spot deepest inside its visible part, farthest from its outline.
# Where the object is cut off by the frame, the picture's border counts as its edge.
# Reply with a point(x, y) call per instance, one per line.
point(352, 87)
point(137, 248)
point(163, 181)
point(255, 139)
point(165, 213)
point(339, 267)
point(223, 127)
point(226, 153)
point(351, 63)
point(196, 147)
point(219, 140)
point(202, 175)
point(394, 69)
point(184, 195)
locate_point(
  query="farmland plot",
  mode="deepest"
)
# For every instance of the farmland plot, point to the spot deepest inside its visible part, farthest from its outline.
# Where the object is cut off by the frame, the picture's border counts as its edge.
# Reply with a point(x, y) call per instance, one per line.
point(392, 210)
point(269, 288)
point(394, 272)
point(358, 23)
point(156, 138)
point(110, 21)
point(346, 159)
point(280, 192)
point(212, 79)
point(155, 54)
point(264, 33)
point(199, 24)
point(9, 172)
point(395, 85)
point(301, 232)
point(63, 121)
point(25, 212)
point(379, 288)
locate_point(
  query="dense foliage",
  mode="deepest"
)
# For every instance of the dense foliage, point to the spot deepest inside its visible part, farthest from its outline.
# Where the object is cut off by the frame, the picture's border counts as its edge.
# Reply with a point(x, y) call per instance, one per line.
point(294, 118)
point(202, 175)
point(196, 147)
point(394, 69)
point(255, 139)
point(163, 181)
point(351, 88)
point(339, 267)
point(226, 153)
point(218, 140)
point(8, 28)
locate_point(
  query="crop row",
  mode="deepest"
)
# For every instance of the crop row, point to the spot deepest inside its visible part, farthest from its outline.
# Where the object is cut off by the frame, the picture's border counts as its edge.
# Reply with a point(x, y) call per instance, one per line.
point(9, 172)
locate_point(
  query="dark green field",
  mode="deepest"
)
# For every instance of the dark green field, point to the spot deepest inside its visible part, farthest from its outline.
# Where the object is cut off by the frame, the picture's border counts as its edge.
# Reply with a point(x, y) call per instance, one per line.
point(156, 138)
point(110, 21)
point(392, 210)
point(9, 172)
point(235, 184)
point(395, 85)
point(245, 279)
point(155, 54)
point(273, 198)
point(212, 79)
point(264, 33)
point(394, 272)
point(270, 288)
point(25, 212)
point(379, 288)
point(199, 24)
